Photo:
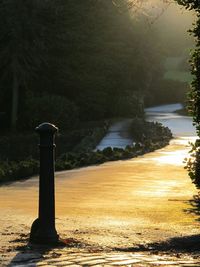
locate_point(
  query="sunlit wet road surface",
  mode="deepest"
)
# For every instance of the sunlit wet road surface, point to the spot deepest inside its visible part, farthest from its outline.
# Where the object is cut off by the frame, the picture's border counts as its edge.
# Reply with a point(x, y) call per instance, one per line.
point(119, 204)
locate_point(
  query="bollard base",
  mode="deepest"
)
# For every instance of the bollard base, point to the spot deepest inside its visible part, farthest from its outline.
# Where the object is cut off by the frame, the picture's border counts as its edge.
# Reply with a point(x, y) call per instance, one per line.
point(43, 236)
point(60, 244)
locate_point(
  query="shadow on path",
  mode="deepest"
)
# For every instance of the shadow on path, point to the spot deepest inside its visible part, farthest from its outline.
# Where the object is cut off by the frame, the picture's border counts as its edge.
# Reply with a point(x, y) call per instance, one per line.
point(184, 244)
point(195, 206)
point(29, 255)
point(177, 247)
point(33, 254)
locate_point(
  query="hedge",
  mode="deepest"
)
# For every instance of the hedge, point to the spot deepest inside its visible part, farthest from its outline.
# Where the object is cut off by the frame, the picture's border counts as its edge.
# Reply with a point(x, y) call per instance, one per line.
point(154, 136)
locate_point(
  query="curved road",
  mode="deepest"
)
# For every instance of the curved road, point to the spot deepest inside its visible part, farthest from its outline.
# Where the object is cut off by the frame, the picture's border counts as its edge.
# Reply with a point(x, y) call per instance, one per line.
point(116, 204)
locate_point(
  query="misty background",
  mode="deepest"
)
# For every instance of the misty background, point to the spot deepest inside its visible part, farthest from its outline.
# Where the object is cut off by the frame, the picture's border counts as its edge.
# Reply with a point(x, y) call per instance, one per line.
point(84, 65)
point(76, 62)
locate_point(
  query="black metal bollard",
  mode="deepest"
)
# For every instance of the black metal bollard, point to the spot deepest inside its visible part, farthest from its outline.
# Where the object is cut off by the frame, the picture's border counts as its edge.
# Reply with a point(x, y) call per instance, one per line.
point(43, 229)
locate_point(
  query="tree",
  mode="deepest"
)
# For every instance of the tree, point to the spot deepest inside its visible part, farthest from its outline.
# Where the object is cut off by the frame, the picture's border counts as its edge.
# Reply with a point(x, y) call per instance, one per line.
point(193, 164)
point(86, 51)
point(108, 58)
point(30, 31)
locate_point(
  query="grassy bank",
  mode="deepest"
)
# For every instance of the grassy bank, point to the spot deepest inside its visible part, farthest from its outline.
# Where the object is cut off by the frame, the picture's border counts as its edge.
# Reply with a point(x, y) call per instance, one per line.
point(148, 136)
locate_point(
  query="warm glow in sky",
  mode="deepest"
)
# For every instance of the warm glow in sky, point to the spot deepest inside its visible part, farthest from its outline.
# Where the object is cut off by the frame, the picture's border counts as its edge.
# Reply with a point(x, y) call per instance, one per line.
point(156, 8)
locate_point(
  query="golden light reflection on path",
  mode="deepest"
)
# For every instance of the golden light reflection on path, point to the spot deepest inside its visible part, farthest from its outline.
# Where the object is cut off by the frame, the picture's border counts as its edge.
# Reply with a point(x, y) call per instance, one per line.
point(115, 204)
point(176, 157)
point(176, 153)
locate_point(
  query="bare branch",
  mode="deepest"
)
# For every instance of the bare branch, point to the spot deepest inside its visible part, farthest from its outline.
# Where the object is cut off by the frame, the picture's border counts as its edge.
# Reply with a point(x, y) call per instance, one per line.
point(151, 10)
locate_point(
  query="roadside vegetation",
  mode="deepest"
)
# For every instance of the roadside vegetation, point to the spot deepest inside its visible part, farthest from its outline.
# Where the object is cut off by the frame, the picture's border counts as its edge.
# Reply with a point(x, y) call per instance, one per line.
point(76, 64)
point(148, 137)
point(193, 163)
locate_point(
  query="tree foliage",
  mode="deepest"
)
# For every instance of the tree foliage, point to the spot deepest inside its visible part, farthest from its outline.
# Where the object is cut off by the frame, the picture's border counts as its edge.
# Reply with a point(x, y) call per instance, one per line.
point(95, 57)
point(30, 31)
point(193, 164)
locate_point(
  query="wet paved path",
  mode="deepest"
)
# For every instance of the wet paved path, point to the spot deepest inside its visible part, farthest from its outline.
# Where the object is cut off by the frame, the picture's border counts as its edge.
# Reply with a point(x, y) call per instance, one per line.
point(117, 206)
point(82, 258)
point(118, 135)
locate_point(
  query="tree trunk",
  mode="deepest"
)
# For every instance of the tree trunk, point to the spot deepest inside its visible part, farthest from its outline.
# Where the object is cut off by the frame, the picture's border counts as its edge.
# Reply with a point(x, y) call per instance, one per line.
point(15, 96)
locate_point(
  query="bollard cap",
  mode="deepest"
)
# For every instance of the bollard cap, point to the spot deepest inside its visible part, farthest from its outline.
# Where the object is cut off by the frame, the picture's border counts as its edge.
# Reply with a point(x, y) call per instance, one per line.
point(46, 127)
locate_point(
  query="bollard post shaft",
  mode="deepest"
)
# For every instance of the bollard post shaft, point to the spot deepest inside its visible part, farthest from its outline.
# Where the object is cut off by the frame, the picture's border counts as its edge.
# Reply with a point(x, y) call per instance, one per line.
point(43, 230)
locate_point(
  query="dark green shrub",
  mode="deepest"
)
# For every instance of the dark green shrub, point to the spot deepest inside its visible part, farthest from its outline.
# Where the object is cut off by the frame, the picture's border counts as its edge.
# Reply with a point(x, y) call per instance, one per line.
point(128, 105)
point(117, 155)
point(15, 170)
point(63, 165)
point(143, 131)
point(116, 149)
point(22, 146)
point(164, 91)
point(107, 151)
point(18, 147)
point(127, 154)
point(193, 163)
point(18, 170)
point(27, 168)
point(49, 108)
point(92, 139)
point(98, 157)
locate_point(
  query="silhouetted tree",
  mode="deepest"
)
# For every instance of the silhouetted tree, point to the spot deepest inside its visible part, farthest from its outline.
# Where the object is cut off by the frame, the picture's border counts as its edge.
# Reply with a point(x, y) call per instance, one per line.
point(30, 31)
